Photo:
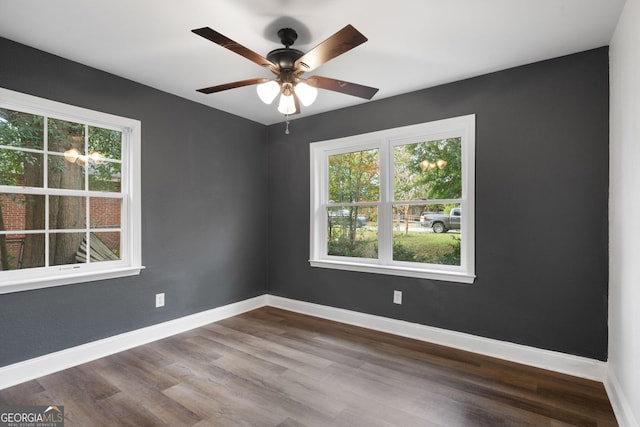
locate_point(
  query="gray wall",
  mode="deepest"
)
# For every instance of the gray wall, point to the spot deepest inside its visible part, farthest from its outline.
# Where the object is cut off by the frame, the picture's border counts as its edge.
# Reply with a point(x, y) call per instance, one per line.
point(541, 208)
point(203, 179)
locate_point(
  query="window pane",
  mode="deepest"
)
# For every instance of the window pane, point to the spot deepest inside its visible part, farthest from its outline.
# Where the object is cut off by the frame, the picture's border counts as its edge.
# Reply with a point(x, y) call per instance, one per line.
point(65, 173)
point(64, 247)
point(105, 212)
point(13, 250)
point(65, 136)
point(21, 129)
point(354, 177)
point(106, 142)
point(105, 246)
point(353, 231)
point(66, 213)
point(104, 176)
point(20, 168)
point(23, 251)
point(21, 212)
point(428, 170)
point(434, 239)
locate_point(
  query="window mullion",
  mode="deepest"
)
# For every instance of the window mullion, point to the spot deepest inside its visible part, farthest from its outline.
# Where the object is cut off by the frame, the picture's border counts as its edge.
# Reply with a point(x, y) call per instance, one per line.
point(87, 203)
point(46, 231)
point(45, 157)
point(45, 185)
point(85, 166)
point(385, 230)
point(59, 192)
point(126, 187)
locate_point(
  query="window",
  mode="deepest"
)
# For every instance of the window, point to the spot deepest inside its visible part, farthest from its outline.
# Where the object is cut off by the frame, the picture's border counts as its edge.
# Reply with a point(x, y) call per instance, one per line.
point(69, 194)
point(398, 201)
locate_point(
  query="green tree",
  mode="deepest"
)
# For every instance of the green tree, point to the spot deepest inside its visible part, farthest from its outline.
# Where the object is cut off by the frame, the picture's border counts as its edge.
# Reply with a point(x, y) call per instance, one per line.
point(108, 143)
point(353, 177)
point(406, 183)
point(440, 163)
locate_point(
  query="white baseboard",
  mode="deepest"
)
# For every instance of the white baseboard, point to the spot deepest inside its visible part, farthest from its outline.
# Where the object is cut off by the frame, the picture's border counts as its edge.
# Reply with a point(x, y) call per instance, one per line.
point(44, 365)
point(555, 361)
point(621, 406)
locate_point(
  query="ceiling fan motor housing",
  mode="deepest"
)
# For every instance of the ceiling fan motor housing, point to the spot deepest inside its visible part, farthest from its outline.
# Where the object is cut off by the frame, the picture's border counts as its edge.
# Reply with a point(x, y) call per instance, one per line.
point(285, 58)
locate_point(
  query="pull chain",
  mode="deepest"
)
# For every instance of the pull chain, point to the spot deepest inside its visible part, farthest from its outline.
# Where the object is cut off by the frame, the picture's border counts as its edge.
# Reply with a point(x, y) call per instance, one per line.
point(286, 129)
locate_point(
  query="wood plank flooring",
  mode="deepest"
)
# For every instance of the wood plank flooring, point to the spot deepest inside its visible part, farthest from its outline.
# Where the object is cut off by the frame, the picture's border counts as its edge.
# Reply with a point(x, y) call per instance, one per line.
point(271, 367)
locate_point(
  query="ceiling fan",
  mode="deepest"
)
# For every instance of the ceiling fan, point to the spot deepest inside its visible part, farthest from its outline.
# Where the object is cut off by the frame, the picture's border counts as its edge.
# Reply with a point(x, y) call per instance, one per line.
point(289, 64)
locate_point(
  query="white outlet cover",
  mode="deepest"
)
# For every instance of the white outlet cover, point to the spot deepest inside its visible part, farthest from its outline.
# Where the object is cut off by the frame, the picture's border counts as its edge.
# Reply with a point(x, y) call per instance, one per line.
point(160, 300)
point(397, 297)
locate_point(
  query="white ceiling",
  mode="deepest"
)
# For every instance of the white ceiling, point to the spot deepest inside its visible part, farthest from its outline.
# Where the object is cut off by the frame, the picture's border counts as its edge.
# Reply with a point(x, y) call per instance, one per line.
point(413, 44)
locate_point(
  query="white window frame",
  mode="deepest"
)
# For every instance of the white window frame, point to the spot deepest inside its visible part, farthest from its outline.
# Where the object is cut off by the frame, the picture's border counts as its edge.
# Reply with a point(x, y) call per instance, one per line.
point(130, 239)
point(384, 141)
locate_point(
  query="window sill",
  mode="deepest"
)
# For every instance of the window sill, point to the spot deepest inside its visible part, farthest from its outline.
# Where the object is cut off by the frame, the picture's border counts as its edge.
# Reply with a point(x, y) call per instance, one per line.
point(447, 276)
point(61, 279)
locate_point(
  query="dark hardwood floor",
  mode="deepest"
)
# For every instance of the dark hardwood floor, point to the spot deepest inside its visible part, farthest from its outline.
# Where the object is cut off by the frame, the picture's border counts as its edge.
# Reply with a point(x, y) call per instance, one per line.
point(271, 367)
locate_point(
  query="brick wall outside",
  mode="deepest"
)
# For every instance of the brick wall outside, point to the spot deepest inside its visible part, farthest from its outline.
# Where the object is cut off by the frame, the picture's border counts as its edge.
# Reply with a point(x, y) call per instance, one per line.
point(106, 213)
point(13, 211)
point(13, 216)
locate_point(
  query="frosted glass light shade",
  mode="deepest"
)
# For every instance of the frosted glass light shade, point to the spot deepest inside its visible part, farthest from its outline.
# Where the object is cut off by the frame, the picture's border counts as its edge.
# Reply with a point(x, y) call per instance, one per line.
point(287, 104)
point(306, 93)
point(268, 91)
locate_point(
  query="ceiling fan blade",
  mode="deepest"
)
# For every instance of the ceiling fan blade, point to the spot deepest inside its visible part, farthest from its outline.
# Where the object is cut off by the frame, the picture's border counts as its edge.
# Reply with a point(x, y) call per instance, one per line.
point(339, 43)
point(233, 46)
point(233, 85)
point(354, 89)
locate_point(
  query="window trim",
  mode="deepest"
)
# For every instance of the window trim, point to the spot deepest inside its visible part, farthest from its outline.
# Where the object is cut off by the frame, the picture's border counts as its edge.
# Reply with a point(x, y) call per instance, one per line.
point(385, 140)
point(131, 244)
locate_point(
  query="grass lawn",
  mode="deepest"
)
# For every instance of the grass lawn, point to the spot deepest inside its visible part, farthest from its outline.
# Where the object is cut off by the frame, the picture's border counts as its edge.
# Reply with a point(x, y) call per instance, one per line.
point(432, 248)
point(423, 247)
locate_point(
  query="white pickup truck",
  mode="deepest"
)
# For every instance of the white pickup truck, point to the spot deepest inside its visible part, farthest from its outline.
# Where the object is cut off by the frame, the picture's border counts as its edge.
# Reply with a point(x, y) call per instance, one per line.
point(441, 223)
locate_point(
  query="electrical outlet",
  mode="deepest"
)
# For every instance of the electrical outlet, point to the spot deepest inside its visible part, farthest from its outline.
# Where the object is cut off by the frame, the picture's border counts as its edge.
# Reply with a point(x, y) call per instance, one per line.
point(397, 297)
point(160, 300)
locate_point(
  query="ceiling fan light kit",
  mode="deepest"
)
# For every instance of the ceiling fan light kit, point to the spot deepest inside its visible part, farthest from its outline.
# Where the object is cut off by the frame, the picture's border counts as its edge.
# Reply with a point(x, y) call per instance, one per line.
point(289, 64)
